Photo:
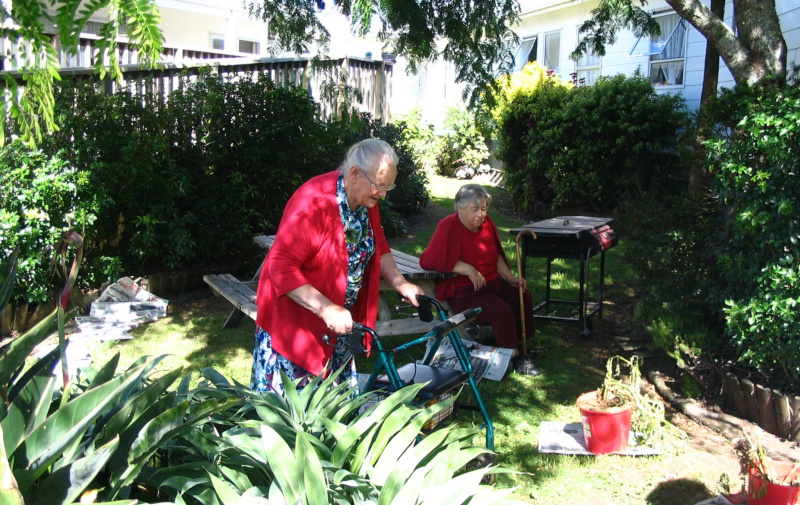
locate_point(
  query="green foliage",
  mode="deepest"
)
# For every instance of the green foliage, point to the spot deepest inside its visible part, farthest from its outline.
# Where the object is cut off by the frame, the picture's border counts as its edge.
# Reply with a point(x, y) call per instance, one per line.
point(39, 202)
point(418, 138)
point(610, 17)
point(622, 385)
point(674, 244)
point(756, 178)
point(590, 147)
point(478, 38)
point(462, 148)
point(32, 103)
point(190, 180)
point(523, 82)
point(410, 195)
point(318, 446)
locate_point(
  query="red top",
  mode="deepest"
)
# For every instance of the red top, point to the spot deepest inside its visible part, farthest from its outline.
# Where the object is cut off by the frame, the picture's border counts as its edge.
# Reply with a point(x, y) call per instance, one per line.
point(310, 249)
point(478, 248)
point(451, 242)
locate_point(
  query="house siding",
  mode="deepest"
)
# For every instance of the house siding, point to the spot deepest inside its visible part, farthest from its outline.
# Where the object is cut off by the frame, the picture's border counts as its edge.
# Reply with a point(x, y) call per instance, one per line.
point(538, 18)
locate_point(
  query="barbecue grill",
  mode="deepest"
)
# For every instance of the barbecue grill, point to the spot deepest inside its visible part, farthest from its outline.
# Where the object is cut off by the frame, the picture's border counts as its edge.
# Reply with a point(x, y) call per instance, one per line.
point(573, 238)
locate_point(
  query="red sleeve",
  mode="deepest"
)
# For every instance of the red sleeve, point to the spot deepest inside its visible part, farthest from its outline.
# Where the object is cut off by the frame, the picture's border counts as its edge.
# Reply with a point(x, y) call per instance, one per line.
point(444, 248)
point(381, 244)
point(306, 235)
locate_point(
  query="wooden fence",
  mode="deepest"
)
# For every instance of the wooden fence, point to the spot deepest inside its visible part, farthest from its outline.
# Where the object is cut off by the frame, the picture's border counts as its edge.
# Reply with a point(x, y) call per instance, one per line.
point(330, 81)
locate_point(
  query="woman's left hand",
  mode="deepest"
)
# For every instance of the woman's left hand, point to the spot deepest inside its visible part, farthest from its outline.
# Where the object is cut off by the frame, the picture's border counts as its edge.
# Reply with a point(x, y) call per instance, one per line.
point(517, 282)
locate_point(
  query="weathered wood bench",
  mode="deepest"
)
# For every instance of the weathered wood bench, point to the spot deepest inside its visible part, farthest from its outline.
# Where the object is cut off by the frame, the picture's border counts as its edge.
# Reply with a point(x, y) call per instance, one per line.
point(242, 294)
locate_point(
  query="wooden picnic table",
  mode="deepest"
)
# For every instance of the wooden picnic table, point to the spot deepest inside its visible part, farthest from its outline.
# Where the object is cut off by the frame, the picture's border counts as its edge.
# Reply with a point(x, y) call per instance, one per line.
point(242, 294)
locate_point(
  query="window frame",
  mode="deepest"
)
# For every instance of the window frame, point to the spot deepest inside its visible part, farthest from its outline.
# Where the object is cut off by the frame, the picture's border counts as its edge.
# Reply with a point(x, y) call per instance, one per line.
point(658, 61)
point(547, 46)
point(533, 48)
point(213, 37)
point(256, 46)
point(581, 67)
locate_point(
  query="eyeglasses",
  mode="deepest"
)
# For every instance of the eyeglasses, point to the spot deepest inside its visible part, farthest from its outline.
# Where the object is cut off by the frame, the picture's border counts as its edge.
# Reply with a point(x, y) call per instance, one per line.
point(377, 188)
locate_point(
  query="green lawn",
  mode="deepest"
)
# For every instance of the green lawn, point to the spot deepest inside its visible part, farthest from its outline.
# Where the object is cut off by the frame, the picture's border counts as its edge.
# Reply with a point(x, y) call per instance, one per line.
point(683, 475)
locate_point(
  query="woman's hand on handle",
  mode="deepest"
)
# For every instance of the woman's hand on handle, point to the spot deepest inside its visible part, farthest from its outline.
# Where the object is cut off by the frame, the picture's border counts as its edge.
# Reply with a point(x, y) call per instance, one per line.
point(337, 318)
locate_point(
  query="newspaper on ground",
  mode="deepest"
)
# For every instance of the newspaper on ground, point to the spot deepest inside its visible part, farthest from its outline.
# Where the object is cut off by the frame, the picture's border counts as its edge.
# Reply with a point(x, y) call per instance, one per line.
point(122, 307)
point(567, 438)
point(487, 361)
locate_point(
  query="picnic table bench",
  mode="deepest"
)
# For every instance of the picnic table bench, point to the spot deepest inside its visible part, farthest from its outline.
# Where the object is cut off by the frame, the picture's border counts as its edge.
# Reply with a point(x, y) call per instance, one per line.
point(242, 294)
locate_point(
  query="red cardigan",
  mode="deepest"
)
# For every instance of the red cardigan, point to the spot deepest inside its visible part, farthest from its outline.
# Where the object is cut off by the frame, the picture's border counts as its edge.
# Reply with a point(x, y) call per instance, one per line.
point(309, 248)
point(444, 250)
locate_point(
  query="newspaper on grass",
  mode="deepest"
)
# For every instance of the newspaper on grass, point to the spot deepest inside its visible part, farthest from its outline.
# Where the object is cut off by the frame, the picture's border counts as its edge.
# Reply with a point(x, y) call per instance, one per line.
point(487, 361)
point(567, 438)
point(122, 307)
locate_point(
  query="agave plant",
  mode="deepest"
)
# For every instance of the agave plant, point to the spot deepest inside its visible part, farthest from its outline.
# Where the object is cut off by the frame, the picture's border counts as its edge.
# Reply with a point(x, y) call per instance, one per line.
point(96, 434)
point(319, 445)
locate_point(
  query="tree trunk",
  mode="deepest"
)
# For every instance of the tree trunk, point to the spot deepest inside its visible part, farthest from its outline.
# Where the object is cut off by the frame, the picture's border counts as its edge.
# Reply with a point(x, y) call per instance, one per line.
point(698, 176)
point(758, 49)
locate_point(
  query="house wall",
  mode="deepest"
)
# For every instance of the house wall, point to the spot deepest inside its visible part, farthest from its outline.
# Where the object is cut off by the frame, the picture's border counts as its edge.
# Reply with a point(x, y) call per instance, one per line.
point(190, 24)
point(540, 17)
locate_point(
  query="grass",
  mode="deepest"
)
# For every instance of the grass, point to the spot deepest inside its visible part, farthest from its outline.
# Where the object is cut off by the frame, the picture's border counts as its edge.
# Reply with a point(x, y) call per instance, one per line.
point(517, 405)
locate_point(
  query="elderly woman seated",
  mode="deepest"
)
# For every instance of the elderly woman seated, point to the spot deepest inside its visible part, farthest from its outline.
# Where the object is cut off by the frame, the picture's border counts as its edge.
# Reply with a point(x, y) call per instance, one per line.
point(467, 243)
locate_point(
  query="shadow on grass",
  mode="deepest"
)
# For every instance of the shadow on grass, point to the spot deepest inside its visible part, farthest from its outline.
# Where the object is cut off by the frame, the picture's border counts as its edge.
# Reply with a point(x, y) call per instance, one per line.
point(678, 491)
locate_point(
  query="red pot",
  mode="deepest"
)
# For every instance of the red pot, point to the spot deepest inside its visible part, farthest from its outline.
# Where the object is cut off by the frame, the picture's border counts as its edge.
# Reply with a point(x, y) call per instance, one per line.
point(762, 492)
point(604, 431)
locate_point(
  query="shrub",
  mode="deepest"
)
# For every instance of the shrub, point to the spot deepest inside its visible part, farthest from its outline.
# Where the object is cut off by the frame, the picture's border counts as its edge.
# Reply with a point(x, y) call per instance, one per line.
point(418, 138)
point(315, 446)
point(462, 149)
point(188, 181)
point(590, 147)
point(756, 179)
point(673, 247)
point(765, 327)
point(39, 202)
point(410, 195)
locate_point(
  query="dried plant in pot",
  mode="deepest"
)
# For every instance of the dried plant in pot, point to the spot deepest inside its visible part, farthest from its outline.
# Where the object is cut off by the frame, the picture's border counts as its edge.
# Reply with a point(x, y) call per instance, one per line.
point(769, 481)
point(610, 412)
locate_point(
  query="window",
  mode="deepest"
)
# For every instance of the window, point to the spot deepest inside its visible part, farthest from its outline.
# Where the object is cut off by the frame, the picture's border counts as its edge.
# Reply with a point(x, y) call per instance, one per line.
point(217, 42)
point(587, 68)
point(552, 50)
point(667, 51)
point(419, 85)
point(526, 52)
point(249, 46)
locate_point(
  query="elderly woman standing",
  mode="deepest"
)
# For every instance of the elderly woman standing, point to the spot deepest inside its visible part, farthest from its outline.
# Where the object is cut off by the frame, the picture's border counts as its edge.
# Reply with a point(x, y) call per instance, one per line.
point(324, 270)
point(467, 243)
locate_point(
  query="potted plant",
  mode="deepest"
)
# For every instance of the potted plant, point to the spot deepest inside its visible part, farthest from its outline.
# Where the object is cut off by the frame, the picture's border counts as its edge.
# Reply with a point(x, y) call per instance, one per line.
point(769, 481)
point(609, 413)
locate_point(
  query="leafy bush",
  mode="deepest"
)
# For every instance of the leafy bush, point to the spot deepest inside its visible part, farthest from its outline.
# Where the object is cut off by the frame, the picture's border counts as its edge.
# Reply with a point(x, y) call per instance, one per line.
point(187, 181)
point(765, 328)
point(418, 138)
point(462, 149)
point(673, 247)
point(411, 194)
point(590, 147)
point(190, 180)
point(756, 179)
point(39, 201)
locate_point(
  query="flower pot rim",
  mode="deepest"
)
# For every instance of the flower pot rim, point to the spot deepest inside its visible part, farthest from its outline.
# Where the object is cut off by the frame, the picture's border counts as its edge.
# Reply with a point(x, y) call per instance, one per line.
point(581, 402)
point(751, 470)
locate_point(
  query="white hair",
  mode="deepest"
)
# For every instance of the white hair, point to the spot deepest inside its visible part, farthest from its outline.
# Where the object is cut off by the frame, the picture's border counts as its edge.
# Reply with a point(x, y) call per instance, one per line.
point(367, 155)
point(471, 193)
